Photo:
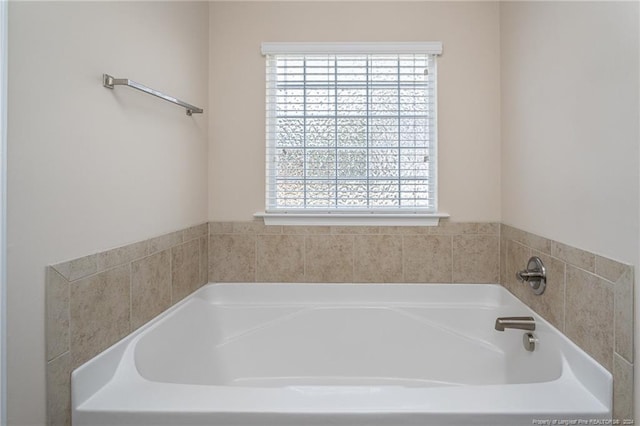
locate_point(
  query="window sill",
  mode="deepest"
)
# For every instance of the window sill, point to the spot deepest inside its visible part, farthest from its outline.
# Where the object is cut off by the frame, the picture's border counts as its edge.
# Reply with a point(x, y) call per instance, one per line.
point(352, 219)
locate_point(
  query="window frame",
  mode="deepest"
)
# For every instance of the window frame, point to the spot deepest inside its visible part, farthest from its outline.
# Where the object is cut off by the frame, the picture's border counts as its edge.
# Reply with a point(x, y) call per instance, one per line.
point(361, 216)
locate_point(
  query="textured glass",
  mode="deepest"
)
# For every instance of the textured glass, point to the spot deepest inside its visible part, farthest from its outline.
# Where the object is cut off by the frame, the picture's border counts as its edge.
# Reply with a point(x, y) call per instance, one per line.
point(321, 163)
point(384, 163)
point(290, 102)
point(352, 102)
point(415, 194)
point(384, 193)
point(349, 131)
point(290, 163)
point(413, 133)
point(414, 163)
point(352, 132)
point(321, 194)
point(290, 132)
point(383, 132)
point(290, 193)
point(321, 132)
point(384, 101)
point(352, 163)
point(353, 194)
point(320, 102)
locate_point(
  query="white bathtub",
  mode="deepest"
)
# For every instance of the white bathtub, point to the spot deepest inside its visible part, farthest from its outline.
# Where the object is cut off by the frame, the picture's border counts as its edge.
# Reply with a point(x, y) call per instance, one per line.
point(343, 354)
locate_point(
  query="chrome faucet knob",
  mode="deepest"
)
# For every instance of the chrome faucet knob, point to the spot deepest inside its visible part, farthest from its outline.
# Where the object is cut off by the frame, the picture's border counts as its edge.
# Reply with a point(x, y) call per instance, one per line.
point(535, 275)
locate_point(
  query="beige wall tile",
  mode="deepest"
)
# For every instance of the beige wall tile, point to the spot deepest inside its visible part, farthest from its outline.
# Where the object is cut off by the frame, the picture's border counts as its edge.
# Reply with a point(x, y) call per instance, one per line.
point(610, 269)
point(306, 230)
point(204, 260)
point(537, 242)
point(405, 230)
point(378, 258)
point(59, 391)
point(356, 230)
point(150, 287)
point(475, 259)
point(329, 258)
point(280, 258)
point(255, 227)
point(195, 232)
point(78, 268)
point(490, 228)
point(574, 256)
point(57, 296)
point(550, 304)
point(454, 228)
point(622, 389)
point(121, 255)
point(232, 258)
point(530, 240)
point(99, 313)
point(503, 261)
point(185, 270)
point(623, 302)
point(220, 228)
point(164, 242)
point(589, 314)
point(427, 259)
point(516, 259)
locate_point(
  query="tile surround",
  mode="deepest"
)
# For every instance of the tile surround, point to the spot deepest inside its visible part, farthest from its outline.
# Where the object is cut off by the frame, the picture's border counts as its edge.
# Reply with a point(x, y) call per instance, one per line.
point(588, 297)
point(100, 312)
point(428, 259)
point(329, 258)
point(57, 299)
point(94, 301)
point(280, 258)
point(475, 259)
point(253, 252)
point(377, 258)
point(622, 389)
point(150, 287)
point(589, 314)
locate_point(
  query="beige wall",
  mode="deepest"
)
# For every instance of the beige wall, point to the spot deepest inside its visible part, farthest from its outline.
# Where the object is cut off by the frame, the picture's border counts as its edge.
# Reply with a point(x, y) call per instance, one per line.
point(468, 89)
point(570, 125)
point(91, 168)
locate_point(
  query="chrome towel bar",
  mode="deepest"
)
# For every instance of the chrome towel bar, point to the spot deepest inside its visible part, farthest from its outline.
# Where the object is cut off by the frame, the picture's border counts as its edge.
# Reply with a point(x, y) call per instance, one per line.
point(109, 82)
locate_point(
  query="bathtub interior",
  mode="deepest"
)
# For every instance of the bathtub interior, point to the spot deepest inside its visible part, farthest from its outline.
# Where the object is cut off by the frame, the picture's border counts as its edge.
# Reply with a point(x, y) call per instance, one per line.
point(334, 337)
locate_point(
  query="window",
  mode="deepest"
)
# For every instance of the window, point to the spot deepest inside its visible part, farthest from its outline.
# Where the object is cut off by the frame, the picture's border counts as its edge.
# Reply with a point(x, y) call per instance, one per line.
point(351, 128)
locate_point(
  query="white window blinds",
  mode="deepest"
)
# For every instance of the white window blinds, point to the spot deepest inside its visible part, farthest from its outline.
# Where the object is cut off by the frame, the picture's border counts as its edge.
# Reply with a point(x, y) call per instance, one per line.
point(349, 131)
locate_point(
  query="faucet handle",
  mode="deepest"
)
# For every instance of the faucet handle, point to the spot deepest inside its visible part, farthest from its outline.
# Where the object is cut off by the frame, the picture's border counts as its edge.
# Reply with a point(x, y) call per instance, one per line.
point(535, 275)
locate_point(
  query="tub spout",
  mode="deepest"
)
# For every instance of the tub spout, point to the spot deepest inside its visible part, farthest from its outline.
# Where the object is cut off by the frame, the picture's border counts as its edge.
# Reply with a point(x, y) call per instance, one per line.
point(520, 323)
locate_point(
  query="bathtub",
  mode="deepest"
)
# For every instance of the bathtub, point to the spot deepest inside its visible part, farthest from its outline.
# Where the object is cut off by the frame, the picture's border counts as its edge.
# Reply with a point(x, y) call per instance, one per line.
point(341, 354)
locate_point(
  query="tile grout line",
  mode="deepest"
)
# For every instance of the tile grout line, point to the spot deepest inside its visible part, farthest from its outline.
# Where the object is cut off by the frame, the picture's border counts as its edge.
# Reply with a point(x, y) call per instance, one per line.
point(452, 262)
point(499, 257)
point(304, 258)
point(564, 298)
point(402, 258)
point(130, 297)
point(171, 278)
point(353, 256)
point(57, 357)
point(615, 323)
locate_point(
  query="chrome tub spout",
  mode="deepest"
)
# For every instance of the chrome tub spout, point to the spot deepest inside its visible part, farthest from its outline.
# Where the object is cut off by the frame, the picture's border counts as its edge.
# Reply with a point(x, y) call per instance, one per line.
point(520, 323)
